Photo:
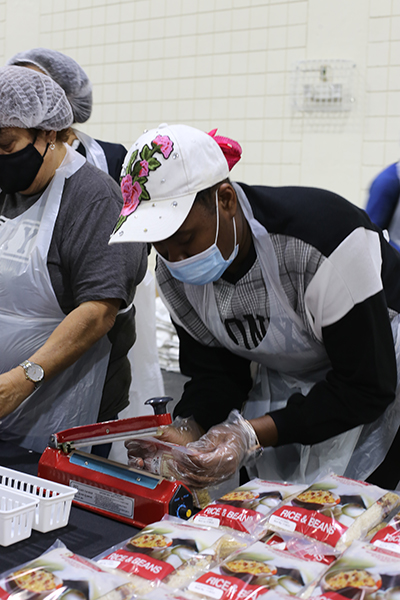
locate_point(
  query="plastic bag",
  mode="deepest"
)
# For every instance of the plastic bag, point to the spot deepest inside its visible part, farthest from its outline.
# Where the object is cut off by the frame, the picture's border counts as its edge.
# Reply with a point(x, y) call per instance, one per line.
point(302, 546)
point(388, 537)
point(59, 573)
point(246, 508)
point(362, 571)
point(335, 510)
point(170, 550)
point(256, 570)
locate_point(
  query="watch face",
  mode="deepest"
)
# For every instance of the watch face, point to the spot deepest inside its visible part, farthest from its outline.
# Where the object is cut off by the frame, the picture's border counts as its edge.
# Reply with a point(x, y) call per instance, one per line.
point(35, 372)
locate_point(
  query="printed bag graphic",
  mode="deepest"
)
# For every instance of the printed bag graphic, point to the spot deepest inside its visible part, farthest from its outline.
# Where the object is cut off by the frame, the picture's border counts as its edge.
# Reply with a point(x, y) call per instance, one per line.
point(335, 510)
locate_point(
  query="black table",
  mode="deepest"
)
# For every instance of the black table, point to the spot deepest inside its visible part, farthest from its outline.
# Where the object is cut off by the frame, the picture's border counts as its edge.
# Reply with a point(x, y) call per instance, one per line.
point(87, 533)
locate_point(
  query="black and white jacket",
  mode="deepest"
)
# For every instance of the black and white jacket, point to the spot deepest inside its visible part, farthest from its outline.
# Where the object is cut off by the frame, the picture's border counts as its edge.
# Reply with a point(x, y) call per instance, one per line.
point(340, 276)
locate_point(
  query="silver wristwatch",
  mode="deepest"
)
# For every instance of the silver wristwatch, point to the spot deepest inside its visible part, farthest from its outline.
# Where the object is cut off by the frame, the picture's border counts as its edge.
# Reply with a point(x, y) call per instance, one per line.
point(33, 372)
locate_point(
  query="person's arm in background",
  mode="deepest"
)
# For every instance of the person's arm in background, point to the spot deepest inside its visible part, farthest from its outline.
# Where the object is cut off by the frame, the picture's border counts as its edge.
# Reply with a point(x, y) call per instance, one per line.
point(358, 388)
point(384, 195)
point(219, 381)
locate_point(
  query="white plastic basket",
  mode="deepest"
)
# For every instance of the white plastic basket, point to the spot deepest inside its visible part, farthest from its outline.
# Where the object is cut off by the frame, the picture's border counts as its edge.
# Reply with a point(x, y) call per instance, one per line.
point(17, 511)
point(55, 499)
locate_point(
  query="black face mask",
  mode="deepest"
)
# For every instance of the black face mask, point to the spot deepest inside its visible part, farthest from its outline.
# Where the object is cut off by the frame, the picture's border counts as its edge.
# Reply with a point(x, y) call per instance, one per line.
point(19, 169)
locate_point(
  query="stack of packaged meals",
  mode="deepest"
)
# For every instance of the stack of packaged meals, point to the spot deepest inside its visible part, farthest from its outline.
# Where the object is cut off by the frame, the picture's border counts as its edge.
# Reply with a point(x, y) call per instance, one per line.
point(328, 541)
point(247, 508)
point(172, 551)
point(335, 510)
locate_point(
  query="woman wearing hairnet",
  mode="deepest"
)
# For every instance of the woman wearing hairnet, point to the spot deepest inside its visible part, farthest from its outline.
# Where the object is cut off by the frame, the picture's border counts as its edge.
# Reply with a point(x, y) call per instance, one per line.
point(72, 78)
point(61, 284)
point(108, 157)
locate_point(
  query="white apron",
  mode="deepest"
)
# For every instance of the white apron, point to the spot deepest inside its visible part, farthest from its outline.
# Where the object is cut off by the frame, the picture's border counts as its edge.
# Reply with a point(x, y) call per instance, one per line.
point(291, 361)
point(94, 152)
point(29, 313)
point(147, 380)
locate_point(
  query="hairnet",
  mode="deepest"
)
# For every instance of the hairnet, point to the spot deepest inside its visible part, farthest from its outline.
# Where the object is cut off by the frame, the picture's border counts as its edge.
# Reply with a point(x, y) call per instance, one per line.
point(67, 73)
point(29, 99)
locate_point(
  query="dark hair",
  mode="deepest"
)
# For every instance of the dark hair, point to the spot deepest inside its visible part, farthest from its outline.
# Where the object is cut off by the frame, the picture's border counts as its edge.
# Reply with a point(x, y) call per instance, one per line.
point(207, 197)
point(63, 134)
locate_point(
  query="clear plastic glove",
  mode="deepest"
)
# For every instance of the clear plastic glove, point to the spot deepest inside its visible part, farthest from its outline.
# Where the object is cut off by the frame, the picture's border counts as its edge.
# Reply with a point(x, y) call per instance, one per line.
point(223, 450)
point(181, 432)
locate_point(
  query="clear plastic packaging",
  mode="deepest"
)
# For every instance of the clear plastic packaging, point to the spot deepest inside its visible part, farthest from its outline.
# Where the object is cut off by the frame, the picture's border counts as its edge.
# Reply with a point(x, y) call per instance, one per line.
point(218, 454)
point(59, 573)
point(363, 571)
point(172, 551)
point(157, 456)
point(388, 536)
point(302, 547)
point(256, 570)
point(247, 507)
point(335, 510)
point(153, 454)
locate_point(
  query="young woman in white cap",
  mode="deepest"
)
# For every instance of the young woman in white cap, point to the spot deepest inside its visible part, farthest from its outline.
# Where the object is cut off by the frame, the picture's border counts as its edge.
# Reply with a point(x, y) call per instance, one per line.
point(296, 281)
point(61, 284)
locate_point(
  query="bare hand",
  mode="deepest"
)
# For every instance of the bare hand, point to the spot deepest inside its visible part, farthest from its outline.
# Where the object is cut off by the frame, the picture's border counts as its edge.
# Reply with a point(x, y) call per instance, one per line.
point(14, 388)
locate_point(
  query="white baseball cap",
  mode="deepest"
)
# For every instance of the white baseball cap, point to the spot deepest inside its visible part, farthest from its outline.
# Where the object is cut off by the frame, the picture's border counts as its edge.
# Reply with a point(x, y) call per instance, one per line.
point(162, 173)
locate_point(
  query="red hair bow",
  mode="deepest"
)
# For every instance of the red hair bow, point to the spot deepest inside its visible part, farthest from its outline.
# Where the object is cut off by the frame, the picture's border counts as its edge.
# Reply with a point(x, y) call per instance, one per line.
point(232, 150)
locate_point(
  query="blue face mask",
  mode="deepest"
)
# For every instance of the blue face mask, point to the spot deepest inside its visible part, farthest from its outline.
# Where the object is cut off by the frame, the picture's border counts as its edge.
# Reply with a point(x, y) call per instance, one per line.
point(207, 266)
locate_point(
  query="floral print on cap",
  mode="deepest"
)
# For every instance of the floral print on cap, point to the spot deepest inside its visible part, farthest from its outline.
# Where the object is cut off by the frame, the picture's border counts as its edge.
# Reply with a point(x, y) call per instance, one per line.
point(133, 184)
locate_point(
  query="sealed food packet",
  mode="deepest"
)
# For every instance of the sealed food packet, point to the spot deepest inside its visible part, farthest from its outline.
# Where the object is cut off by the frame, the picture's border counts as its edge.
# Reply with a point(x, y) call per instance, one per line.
point(172, 551)
point(335, 510)
point(158, 456)
point(126, 591)
point(163, 593)
point(253, 572)
point(247, 507)
point(202, 497)
point(363, 571)
point(59, 573)
point(157, 459)
point(388, 537)
point(302, 546)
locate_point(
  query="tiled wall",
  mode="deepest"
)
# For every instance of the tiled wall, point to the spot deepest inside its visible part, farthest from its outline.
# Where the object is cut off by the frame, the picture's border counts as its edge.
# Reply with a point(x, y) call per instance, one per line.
point(3, 8)
point(227, 64)
point(382, 122)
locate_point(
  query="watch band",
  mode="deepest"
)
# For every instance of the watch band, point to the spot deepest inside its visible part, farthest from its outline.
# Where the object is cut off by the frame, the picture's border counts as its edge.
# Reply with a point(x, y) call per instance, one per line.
point(27, 365)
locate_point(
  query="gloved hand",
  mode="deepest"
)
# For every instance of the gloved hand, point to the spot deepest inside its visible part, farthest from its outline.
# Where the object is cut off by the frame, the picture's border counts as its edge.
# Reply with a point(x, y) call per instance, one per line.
point(181, 431)
point(223, 450)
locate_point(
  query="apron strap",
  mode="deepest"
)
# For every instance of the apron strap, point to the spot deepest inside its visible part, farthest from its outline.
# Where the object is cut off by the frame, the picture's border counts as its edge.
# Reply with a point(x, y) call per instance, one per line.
point(94, 152)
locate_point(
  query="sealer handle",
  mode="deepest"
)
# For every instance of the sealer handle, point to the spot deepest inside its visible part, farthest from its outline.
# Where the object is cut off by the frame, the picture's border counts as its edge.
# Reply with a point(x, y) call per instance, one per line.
point(159, 404)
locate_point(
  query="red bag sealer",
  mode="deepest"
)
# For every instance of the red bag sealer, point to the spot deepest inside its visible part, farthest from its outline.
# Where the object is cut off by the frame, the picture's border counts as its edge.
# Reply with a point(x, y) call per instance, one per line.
point(110, 488)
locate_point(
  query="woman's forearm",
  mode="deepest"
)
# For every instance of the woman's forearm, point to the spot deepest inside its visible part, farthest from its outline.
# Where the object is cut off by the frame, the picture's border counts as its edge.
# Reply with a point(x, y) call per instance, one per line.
point(266, 430)
point(80, 329)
